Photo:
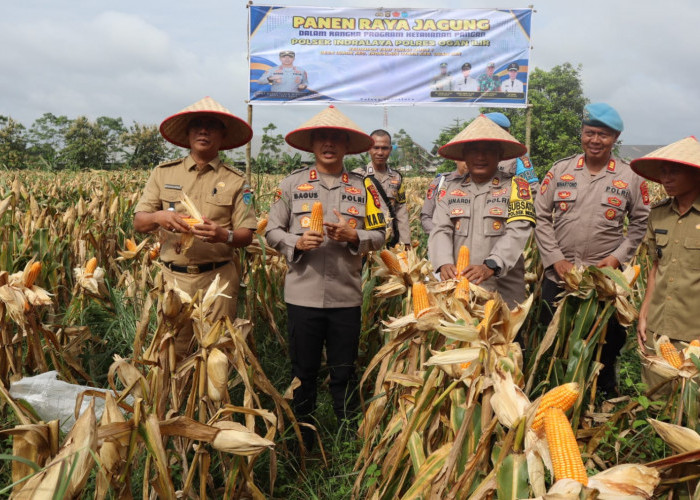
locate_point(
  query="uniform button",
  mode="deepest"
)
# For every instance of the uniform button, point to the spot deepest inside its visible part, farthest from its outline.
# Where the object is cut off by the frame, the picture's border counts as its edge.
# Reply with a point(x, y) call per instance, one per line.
point(680, 221)
point(675, 241)
point(671, 280)
point(673, 261)
point(668, 298)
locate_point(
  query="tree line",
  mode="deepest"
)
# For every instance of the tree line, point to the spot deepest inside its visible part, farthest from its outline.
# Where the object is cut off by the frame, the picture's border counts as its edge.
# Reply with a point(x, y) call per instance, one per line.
point(59, 143)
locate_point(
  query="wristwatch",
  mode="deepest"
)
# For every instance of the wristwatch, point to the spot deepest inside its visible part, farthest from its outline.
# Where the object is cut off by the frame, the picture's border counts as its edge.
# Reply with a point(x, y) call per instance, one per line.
point(491, 264)
point(229, 240)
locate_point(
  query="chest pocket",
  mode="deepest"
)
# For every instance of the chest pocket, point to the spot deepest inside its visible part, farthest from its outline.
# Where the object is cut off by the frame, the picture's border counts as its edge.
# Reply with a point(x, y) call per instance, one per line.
point(170, 198)
point(460, 213)
point(691, 247)
point(495, 219)
point(660, 249)
point(353, 211)
point(301, 216)
point(564, 201)
point(613, 207)
point(218, 207)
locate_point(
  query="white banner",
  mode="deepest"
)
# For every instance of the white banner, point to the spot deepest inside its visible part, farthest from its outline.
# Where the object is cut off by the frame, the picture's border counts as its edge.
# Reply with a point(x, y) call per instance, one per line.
point(472, 57)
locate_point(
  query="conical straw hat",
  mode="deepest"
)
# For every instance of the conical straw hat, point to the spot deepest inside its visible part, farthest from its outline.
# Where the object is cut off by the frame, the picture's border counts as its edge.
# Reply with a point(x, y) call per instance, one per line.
point(174, 128)
point(331, 117)
point(480, 130)
point(683, 152)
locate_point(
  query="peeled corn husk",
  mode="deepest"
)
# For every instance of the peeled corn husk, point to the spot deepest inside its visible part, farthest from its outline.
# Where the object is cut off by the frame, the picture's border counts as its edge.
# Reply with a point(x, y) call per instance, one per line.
point(237, 439)
point(217, 375)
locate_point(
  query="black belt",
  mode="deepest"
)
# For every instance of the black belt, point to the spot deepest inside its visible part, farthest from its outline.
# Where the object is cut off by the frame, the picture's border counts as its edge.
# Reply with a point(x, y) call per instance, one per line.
point(195, 269)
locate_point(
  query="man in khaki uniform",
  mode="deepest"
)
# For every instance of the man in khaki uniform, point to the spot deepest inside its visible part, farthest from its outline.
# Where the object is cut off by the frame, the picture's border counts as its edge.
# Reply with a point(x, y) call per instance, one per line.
point(484, 210)
point(522, 166)
point(673, 234)
point(323, 284)
point(390, 185)
point(219, 192)
point(426, 213)
point(581, 209)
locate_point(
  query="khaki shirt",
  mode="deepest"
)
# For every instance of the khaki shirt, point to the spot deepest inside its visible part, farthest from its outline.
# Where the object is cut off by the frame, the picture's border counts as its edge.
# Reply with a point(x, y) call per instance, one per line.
point(393, 186)
point(522, 167)
point(580, 216)
point(674, 241)
point(426, 213)
point(328, 276)
point(218, 191)
point(493, 220)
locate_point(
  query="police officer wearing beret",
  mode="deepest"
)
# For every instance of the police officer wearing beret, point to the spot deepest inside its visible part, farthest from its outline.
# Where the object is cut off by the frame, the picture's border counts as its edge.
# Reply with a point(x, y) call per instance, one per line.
point(323, 284)
point(672, 297)
point(484, 210)
point(219, 192)
point(522, 166)
point(581, 211)
point(512, 84)
point(286, 77)
point(464, 82)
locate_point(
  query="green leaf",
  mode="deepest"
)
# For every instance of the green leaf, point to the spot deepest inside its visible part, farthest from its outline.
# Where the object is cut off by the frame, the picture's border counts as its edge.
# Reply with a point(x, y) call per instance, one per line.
point(512, 478)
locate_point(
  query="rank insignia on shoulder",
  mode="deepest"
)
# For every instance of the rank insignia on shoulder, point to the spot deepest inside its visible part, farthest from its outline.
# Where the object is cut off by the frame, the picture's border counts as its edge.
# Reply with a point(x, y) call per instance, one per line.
point(278, 195)
point(313, 175)
point(644, 189)
point(345, 178)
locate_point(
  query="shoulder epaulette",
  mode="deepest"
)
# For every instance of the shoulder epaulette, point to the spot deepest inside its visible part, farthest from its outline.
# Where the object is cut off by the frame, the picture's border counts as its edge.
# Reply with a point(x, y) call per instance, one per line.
point(170, 163)
point(566, 159)
point(661, 203)
point(234, 169)
point(299, 170)
point(361, 175)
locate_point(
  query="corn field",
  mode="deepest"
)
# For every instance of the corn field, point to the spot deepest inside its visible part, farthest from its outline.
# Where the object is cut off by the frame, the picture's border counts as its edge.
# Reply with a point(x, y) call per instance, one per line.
point(461, 396)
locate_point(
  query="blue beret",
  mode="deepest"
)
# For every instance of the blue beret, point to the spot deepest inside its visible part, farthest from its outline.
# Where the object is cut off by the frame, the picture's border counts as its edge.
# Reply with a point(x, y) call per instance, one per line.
point(499, 119)
point(599, 114)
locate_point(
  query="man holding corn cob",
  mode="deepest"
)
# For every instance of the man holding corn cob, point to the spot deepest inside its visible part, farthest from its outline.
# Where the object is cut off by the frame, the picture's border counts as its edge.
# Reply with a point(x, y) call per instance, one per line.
point(581, 211)
point(673, 235)
point(200, 207)
point(323, 284)
point(486, 211)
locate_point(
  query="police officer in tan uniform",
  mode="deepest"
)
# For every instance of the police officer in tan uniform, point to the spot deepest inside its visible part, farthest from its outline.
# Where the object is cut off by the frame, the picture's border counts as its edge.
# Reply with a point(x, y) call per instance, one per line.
point(673, 234)
point(522, 166)
point(323, 283)
point(219, 192)
point(390, 186)
point(426, 213)
point(581, 209)
point(484, 210)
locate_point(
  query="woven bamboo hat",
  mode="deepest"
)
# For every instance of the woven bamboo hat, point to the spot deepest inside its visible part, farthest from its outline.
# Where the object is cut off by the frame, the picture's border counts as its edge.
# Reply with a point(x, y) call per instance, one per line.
point(174, 128)
point(482, 130)
point(683, 152)
point(332, 118)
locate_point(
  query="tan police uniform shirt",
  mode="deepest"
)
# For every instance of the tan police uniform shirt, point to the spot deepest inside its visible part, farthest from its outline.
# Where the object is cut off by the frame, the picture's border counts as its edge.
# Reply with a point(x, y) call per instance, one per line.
point(393, 185)
point(426, 213)
point(580, 216)
point(674, 242)
point(493, 220)
point(328, 276)
point(218, 191)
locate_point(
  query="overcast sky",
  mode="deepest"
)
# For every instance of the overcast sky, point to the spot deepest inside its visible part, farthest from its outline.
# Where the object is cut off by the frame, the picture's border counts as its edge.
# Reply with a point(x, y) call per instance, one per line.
point(145, 60)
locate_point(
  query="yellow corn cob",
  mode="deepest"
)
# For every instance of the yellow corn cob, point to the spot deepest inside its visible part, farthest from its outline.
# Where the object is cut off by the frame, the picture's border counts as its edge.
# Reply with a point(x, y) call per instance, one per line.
point(695, 342)
point(462, 260)
point(563, 397)
point(154, 252)
point(31, 275)
point(462, 289)
point(90, 267)
point(566, 456)
point(317, 217)
point(390, 261)
point(488, 307)
point(670, 354)
point(420, 299)
point(637, 268)
point(262, 224)
point(130, 245)
point(191, 221)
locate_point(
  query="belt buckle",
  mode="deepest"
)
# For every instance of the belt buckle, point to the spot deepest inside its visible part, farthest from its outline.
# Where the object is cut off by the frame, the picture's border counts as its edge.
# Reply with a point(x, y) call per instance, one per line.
point(192, 269)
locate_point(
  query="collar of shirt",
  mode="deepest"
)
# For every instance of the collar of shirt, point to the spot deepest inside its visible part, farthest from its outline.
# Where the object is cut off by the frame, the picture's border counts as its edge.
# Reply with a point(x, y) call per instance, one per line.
point(190, 164)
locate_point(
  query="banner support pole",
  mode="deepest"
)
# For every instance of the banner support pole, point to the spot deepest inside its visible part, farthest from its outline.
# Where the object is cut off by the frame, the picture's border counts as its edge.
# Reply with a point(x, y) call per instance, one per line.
point(528, 126)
